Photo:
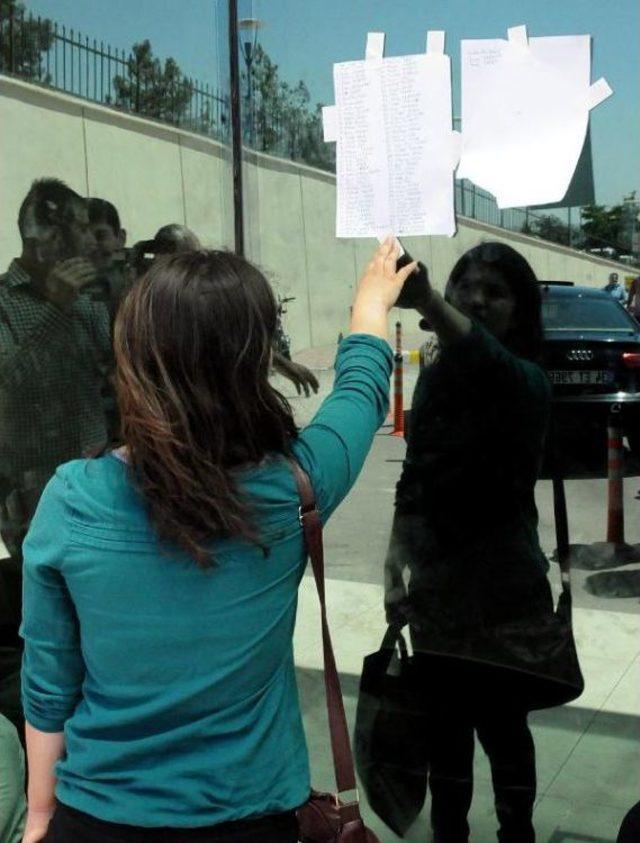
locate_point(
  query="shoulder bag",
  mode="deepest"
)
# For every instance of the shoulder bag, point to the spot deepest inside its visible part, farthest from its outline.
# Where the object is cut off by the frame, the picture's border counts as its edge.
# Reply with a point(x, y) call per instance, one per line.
point(325, 817)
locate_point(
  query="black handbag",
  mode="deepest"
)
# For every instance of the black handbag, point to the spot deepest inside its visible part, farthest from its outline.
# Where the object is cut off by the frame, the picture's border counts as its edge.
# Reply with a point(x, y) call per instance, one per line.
point(532, 658)
point(390, 735)
point(536, 657)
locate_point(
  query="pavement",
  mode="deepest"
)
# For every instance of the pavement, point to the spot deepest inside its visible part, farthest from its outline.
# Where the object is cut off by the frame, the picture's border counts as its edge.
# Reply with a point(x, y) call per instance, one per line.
point(588, 772)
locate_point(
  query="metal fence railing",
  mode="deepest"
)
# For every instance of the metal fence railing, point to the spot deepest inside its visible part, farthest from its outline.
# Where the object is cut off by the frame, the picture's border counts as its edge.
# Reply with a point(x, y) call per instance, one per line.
point(298, 138)
point(472, 201)
point(41, 51)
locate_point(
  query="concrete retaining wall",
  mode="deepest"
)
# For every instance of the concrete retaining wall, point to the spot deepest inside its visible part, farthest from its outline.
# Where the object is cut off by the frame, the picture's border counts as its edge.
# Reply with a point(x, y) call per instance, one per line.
point(157, 174)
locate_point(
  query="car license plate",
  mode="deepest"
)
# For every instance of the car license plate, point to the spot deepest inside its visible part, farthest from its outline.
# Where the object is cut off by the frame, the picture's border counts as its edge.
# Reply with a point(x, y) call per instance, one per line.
point(578, 378)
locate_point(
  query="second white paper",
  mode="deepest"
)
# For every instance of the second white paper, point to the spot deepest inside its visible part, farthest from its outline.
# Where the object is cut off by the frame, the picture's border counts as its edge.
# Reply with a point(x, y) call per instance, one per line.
point(525, 111)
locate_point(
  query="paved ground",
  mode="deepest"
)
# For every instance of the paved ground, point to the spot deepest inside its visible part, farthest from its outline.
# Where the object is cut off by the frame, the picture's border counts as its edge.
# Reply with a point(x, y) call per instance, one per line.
point(587, 752)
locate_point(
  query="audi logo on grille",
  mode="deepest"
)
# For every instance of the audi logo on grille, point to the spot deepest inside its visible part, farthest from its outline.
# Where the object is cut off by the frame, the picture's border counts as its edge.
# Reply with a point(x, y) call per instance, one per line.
point(579, 354)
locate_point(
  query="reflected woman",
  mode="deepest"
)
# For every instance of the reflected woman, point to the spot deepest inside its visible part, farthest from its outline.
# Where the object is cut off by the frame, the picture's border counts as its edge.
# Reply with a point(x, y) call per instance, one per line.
point(466, 529)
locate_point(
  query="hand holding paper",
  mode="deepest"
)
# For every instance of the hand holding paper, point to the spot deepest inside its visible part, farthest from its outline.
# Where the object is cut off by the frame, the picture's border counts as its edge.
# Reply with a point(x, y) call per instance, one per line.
point(378, 290)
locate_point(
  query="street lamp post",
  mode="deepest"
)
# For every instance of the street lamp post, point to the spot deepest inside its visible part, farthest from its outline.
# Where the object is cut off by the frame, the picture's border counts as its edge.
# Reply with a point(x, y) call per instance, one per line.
point(248, 36)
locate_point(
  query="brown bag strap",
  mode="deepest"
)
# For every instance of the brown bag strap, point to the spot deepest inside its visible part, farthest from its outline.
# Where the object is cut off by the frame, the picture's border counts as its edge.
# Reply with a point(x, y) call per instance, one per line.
point(340, 744)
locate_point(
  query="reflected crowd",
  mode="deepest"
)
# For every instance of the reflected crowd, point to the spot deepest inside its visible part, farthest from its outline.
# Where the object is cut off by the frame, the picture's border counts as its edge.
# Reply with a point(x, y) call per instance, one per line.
point(154, 547)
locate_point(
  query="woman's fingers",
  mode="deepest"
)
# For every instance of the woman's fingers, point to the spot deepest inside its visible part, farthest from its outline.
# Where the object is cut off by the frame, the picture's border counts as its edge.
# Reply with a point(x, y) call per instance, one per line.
point(379, 257)
point(386, 255)
point(384, 261)
point(391, 258)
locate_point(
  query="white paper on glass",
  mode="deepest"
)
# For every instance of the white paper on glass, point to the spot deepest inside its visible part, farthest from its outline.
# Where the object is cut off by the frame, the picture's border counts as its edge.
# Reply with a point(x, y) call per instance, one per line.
point(396, 152)
point(525, 111)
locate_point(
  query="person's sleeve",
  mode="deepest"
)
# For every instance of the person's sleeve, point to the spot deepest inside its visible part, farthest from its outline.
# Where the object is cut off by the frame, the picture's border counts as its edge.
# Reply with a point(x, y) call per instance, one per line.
point(480, 356)
point(333, 447)
point(53, 668)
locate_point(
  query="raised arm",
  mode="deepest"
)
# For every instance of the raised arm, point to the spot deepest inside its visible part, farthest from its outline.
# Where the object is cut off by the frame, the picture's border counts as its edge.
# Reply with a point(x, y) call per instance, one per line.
point(449, 324)
point(335, 444)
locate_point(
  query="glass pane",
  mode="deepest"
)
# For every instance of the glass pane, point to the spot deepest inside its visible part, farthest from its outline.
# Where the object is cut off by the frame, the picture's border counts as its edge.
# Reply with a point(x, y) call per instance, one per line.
point(476, 553)
point(116, 149)
point(176, 687)
point(136, 119)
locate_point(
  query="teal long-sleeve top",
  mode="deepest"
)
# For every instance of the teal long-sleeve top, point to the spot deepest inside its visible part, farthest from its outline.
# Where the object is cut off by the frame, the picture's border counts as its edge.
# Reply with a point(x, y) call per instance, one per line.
point(175, 686)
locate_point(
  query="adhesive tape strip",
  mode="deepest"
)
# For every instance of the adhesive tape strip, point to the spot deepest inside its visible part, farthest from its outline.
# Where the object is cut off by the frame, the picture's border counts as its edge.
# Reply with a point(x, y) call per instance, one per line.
point(330, 123)
point(435, 41)
point(375, 45)
point(598, 92)
point(518, 35)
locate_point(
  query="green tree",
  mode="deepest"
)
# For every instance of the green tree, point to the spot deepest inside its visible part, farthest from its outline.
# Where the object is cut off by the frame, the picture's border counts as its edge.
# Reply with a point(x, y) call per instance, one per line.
point(628, 236)
point(264, 103)
point(296, 108)
point(24, 40)
point(153, 89)
point(278, 116)
point(601, 226)
point(549, 227)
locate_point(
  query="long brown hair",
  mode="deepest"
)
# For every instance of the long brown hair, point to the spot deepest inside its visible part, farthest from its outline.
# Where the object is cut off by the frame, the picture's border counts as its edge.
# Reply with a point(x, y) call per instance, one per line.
point(192, 343)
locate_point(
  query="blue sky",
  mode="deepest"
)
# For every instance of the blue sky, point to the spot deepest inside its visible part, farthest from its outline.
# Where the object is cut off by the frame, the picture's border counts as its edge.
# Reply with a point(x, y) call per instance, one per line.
point(305, 37)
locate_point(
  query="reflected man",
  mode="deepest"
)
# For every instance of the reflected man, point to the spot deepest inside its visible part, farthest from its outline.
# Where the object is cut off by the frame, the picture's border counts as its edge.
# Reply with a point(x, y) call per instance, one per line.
point(54, 359)
point(114, 277)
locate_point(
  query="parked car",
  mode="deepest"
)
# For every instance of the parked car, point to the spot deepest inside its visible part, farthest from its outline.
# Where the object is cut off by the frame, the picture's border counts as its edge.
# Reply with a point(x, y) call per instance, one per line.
point(592, 355)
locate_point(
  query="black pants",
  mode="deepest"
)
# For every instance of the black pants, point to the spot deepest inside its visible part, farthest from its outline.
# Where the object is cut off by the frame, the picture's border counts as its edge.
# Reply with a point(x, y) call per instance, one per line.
point(460, 702)
point(71, 826)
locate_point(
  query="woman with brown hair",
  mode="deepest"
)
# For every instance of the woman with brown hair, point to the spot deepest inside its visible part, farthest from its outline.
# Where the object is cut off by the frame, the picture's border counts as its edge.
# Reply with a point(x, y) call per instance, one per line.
point(161, 578)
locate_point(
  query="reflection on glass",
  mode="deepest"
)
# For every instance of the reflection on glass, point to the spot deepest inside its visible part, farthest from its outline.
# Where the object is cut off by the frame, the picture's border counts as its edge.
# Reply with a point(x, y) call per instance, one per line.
point(129, 107)
point(55, 351)
point(117, 135)
point(466, 527)
point(290, 224)
point(585, 314)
